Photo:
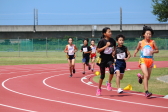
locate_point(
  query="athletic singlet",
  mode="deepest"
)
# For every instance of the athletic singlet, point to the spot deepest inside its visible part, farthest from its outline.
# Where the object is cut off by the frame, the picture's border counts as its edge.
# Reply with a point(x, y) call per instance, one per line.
point(121, 52)
point(146, 48)
point(93, 49)
point(71, 50)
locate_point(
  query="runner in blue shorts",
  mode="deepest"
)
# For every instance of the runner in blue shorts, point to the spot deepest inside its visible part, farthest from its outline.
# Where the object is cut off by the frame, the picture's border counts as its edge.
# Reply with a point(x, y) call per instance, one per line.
point(86, 54)
point(121, 55)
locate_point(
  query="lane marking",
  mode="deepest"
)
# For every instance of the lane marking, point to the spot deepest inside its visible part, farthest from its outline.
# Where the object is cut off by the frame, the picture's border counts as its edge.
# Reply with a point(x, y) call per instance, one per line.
point(85, 77)
point(44, 82)
point(3, 85)
point(17, 108)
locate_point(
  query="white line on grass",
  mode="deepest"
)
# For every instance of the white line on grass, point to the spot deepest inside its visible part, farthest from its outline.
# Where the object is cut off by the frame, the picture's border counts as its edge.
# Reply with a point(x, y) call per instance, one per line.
point(44, 81)
point(85, 77)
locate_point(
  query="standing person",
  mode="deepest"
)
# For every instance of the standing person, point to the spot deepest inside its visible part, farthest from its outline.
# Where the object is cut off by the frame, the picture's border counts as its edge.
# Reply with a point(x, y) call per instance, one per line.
point(121, 55)
point(93, 54)
point(105, 47)
point(147, 48)
point(70, 49)
point(86, 54)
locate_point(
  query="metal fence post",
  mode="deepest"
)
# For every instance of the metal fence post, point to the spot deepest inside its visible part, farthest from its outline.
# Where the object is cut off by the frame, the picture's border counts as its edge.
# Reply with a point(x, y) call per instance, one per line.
point(19, 46)
point(46, 47)
point(76, 46)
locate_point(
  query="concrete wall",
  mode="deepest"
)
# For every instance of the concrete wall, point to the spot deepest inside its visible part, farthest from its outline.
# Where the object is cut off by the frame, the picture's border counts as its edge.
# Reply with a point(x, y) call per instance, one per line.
point(80, 31)
point(51, 28)
point(79, 34)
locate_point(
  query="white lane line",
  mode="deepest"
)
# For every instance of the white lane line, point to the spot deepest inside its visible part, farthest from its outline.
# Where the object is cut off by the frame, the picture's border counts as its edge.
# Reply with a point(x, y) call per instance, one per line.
point(3, 85)
point(85, 77)
point(44, 81)
point(89, 83)
point(17, 108)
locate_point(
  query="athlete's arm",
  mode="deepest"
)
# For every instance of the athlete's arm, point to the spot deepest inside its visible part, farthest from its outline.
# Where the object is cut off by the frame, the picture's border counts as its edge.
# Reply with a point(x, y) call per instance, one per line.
point(137, 49)
point(76, 49)
point(129, 55)
point(113, 53)
point(156, 48)
point(66, 49)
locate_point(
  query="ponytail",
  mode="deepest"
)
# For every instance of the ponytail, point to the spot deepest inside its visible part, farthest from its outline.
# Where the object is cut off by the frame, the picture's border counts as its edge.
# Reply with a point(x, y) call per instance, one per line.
point(102, 37)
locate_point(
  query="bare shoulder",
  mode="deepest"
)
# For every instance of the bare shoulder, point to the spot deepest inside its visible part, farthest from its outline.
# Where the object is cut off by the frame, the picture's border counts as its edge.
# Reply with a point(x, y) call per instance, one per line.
point(153, 41)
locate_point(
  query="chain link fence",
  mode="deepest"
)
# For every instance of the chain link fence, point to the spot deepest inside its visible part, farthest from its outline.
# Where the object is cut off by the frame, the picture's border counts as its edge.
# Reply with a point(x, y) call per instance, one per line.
point(55, 46)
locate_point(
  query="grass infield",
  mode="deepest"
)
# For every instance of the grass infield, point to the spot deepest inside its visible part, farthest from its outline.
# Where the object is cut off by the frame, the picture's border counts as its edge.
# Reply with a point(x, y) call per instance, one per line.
point(22, 58)
point(155, 86)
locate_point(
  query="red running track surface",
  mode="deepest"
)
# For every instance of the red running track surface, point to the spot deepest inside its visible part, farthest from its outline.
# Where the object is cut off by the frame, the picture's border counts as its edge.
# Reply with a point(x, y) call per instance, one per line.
point(48, 88)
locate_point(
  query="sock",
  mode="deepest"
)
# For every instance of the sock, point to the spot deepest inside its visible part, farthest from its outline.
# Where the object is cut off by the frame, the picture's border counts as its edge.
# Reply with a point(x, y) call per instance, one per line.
point(146, 91)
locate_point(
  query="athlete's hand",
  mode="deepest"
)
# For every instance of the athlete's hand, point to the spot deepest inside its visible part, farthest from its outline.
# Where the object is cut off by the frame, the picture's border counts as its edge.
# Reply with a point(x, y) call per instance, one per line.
point(134, 55)
point(66, 51)
point(108, 44)
point(151, 52)
point(125, 59)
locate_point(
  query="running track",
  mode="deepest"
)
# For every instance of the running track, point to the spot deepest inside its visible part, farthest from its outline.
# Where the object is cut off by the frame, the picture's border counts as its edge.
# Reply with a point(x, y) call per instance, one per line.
point(48, 88)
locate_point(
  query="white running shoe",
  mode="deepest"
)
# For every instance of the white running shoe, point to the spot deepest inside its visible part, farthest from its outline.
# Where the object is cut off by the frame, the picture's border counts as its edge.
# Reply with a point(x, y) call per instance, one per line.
point(119, 90)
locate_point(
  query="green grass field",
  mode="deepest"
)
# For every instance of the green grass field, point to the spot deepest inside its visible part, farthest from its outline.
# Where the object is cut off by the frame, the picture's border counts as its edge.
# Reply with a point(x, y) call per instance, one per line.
point(155, 86)
point(22, 58)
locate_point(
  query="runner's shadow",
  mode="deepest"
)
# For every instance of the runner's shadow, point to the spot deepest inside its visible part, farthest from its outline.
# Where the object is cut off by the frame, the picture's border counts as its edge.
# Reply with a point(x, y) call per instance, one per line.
point(153, 97)
point(121, 95)
point(76, 77)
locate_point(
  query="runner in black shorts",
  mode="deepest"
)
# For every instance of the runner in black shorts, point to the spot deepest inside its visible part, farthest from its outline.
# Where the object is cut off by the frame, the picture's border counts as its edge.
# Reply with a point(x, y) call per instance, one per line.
point(70, 49)
point(105, 47)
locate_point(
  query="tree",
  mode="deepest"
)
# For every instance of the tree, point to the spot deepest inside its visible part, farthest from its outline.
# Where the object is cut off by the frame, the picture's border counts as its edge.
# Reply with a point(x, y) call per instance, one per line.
point(160, 9)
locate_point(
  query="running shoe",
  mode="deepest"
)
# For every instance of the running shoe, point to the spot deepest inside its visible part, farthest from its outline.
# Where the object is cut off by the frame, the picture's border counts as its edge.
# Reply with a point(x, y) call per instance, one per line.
point(148, 94)
point(70, 75)
point(98, 92)
point(139, 78)
point(92, 70)
point(74, 70)
point(89, 67)
point(83, 72)
point(109, 88)
point(119, 90)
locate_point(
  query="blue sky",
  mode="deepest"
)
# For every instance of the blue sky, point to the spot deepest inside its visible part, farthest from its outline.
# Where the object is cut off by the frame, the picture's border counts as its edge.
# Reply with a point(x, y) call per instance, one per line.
point(72, 12)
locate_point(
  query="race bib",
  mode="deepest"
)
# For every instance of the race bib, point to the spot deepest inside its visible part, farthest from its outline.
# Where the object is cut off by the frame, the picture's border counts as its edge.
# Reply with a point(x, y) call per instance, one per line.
point(71, 51)
point(85, 49)
point(93, 50)
point(121, 55)
point(147, 51)
point(108, 50)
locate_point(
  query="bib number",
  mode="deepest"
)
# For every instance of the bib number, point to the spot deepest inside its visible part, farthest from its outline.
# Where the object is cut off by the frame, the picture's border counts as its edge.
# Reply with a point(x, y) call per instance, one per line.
point(93, 50)
point(85, 49)
point(108, 50)
point(147, 52)
point(121, 55)
point(71, 51)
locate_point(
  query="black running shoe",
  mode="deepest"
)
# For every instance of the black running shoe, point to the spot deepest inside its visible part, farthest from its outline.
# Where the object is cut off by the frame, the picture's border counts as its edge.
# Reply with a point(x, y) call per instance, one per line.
point(92, 70)
point(74, 70)
point(89, 67)
point(148, 94)
point(139, 78)
point(70, 75)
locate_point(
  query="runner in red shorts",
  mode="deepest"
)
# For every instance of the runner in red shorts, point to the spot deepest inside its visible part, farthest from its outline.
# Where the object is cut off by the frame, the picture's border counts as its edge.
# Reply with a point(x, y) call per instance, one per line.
point(93, 54)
